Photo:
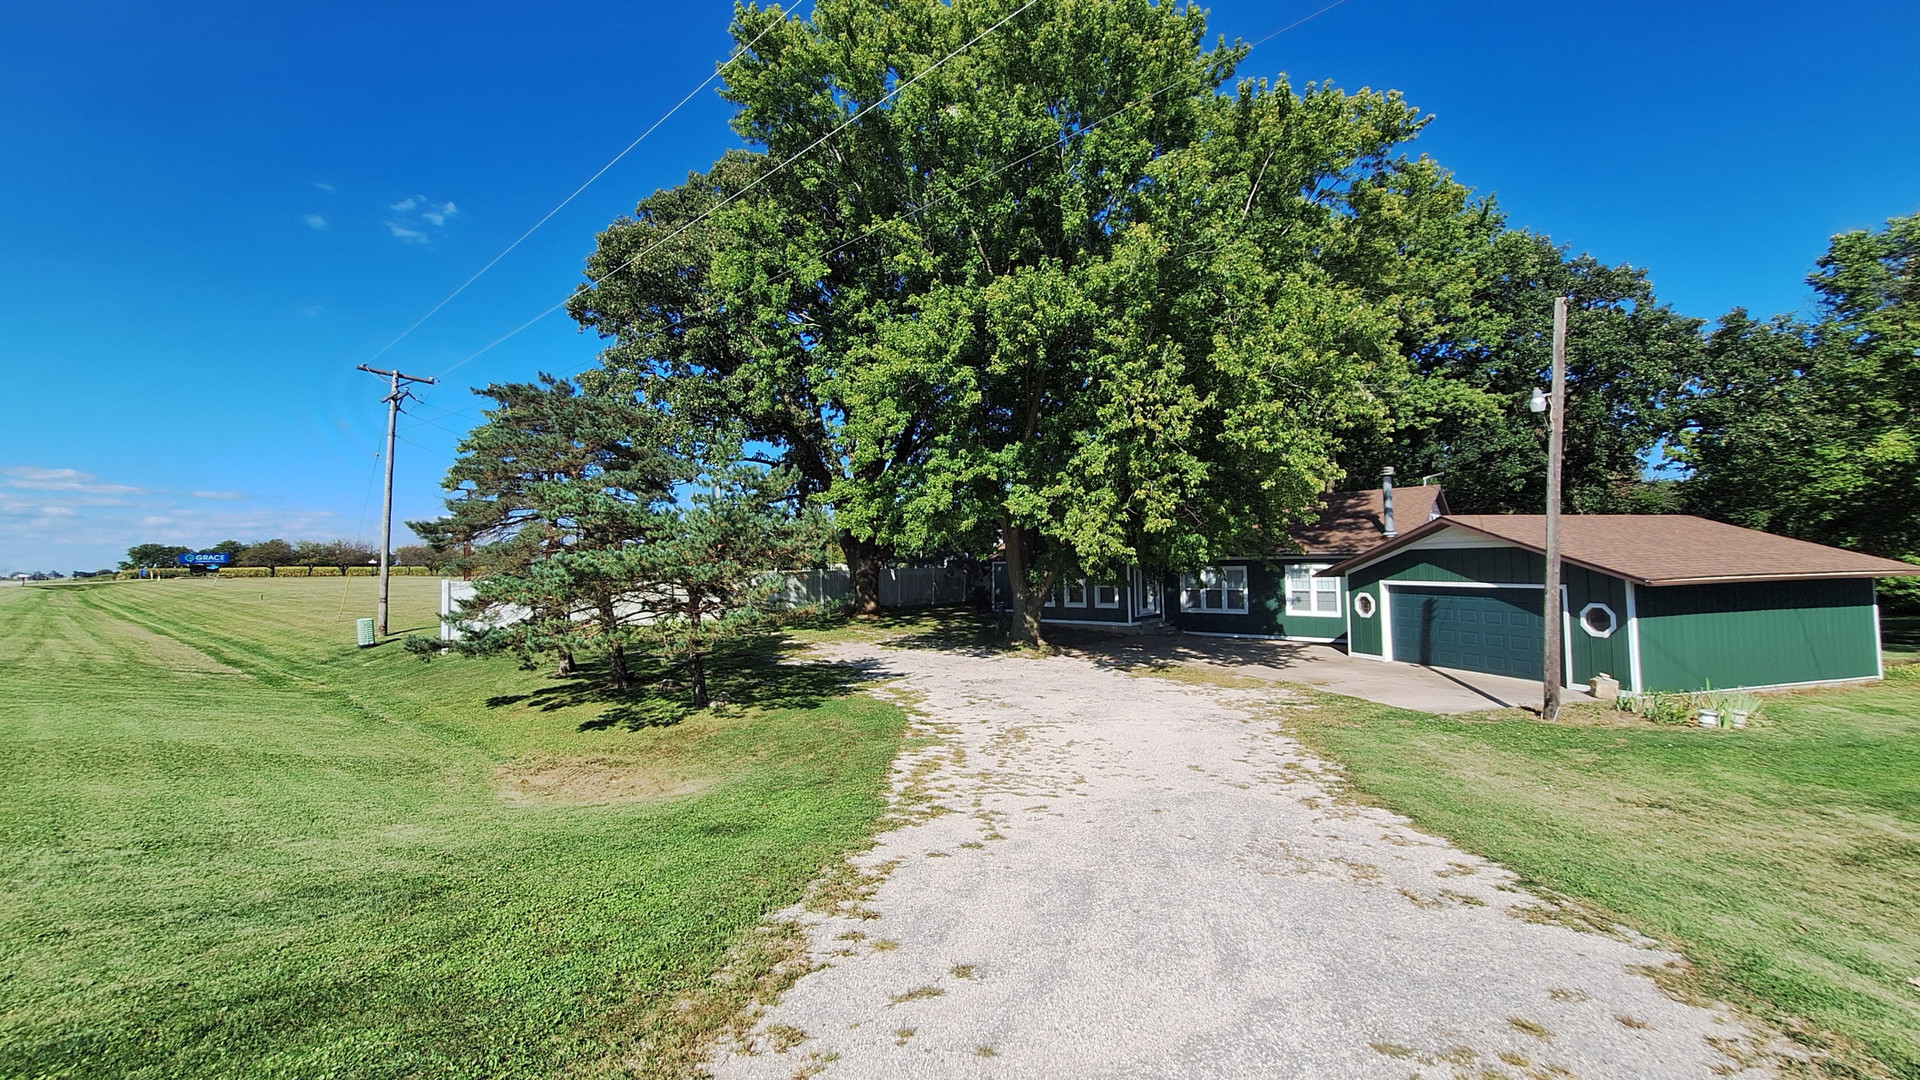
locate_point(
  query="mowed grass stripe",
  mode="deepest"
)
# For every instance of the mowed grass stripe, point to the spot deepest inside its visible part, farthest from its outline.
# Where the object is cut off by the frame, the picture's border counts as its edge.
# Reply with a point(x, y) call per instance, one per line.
point(317, 871)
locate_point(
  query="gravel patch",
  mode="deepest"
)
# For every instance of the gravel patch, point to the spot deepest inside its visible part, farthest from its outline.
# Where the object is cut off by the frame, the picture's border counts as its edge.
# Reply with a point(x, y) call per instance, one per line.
point(1103, 875)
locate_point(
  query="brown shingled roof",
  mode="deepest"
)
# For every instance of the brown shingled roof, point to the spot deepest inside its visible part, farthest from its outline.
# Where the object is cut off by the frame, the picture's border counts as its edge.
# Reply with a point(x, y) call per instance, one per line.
point(1659, 549)
point(1350, 521)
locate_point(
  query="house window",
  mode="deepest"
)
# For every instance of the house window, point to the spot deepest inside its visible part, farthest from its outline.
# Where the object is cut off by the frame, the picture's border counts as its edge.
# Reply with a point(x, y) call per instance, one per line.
point(1077, 592)
point(1216, 588)
point(1598, 620)
point(1310, 595)
point(1106, 596)
point(1363, 606)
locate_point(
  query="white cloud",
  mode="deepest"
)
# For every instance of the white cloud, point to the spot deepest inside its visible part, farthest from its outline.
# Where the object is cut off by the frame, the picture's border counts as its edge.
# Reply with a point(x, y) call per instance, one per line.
point(328, 188)
point(314, 221)
point(28, 478)
point(65, 519)
point(417, 217)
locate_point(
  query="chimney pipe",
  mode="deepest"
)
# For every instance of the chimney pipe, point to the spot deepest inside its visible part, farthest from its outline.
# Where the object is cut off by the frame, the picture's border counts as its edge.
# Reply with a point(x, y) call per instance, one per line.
point(1386, 502)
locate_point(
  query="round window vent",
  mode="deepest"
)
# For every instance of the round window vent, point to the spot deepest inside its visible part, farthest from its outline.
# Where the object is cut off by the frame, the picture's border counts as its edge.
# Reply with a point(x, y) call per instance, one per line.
point(1598, 620)
point(1363, 606)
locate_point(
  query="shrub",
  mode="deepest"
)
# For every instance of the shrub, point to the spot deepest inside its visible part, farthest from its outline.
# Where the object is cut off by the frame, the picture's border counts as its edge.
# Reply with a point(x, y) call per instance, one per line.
point(244, 571)
point(325, 571)
point(1659, 708)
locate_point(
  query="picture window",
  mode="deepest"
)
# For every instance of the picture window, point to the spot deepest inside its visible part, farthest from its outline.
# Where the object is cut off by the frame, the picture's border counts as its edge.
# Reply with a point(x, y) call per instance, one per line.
point(1217, 588)
point(1311, 595)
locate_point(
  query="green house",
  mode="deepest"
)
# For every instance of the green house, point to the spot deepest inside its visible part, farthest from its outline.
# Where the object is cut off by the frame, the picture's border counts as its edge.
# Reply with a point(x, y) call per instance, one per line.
point(1280, 594)
point(1658, 602)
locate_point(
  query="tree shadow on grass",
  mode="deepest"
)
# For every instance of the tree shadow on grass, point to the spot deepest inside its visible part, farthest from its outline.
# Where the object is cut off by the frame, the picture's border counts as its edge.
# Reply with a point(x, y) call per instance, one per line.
point(965, 630)
point(757, 674)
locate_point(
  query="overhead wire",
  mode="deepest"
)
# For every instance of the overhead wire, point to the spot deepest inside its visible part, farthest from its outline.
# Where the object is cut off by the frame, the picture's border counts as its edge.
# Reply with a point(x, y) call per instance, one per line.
point(914, 212)
point(762, 178)
point(668, 115)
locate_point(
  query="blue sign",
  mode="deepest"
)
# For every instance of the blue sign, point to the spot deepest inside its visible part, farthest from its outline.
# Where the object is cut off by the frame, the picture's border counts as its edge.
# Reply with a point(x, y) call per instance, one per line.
point(205, 558)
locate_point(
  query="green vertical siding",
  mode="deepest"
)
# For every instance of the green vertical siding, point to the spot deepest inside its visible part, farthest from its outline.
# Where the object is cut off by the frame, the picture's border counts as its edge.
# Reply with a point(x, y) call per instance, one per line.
point(1756, 634)
point(1506, 566)
point(1266, 609)
point(1365, 633)
point(1593, 655)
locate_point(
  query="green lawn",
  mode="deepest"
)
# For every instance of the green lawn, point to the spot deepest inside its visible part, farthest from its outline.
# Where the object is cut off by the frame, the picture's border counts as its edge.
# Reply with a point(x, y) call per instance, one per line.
point(233, 845)
point(1784, 860)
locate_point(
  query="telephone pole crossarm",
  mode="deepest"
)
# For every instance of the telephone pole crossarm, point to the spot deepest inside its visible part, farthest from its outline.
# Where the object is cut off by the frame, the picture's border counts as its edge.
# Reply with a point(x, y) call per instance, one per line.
point(394, 396)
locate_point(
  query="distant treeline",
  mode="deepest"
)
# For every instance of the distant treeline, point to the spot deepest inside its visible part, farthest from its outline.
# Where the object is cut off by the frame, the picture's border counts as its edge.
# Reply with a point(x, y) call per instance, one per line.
point(298, 558)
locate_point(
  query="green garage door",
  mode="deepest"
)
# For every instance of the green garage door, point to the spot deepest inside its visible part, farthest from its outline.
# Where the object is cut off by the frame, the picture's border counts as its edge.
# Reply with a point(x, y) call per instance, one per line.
point(1492, 630)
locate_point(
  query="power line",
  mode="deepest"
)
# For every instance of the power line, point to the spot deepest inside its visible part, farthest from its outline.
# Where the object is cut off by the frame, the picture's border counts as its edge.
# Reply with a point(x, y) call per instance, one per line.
point(762, 178)
point(668, 115)
point(914, 212)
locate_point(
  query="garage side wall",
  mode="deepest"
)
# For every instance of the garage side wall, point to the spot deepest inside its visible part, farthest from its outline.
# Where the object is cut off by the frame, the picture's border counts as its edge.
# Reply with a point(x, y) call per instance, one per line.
point(1756, 634)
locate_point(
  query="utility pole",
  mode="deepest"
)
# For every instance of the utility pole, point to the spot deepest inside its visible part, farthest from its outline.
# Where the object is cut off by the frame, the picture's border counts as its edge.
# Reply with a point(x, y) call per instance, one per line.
point(1556, 436)
point(395, 395)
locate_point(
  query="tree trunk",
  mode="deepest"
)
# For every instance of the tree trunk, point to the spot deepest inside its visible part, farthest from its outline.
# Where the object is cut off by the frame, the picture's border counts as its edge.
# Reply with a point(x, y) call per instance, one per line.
point(566, 666)
point(697, 672)
point(1027, 601)
point(863, 565)
point(617, 675)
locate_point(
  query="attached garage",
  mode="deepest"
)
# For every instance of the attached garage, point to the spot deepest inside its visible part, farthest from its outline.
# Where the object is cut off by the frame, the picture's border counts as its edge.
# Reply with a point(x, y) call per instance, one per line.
point(1664, 603)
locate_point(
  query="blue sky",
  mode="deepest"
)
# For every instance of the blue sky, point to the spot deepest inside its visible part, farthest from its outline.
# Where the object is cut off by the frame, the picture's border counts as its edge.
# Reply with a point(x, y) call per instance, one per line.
point(210, 212)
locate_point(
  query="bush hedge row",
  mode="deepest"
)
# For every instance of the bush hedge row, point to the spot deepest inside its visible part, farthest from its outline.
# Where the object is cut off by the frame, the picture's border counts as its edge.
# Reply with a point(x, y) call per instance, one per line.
point(285, 571)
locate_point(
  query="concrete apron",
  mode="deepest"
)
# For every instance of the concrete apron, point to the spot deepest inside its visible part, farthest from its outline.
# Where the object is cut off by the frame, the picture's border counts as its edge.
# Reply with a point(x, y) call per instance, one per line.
point(1406, 686)
point(1138, 878)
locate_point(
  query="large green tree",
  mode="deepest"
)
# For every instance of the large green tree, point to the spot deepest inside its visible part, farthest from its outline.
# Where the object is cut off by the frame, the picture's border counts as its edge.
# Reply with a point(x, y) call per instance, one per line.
point(1813, 429)
point(1462, 411)
point(141, 556)
point(1052, 292)
point(518, 485)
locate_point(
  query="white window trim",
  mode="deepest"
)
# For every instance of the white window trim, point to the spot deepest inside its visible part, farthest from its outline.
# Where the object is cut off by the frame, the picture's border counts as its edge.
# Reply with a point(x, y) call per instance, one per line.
point(1315, 589)
point(1366, 610)
point(1613, 620)
point(1066, 592)
point(1097, 602)
point(1196, 583)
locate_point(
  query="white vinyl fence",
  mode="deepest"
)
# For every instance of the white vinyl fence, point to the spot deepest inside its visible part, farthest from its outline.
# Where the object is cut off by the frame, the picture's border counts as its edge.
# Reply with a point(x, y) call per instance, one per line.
point(900, 587)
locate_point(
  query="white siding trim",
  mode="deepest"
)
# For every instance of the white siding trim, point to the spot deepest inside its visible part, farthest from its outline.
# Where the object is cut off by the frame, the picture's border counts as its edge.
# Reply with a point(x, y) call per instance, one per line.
point(1408, 584)
point(1633, 638)
point(1262, 637)
point(1879, 647)
point(1385, 615)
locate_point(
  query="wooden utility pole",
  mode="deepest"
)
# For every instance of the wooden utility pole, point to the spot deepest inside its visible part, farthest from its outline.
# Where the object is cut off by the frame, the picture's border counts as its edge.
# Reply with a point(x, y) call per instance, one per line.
point(1556, 436)
point(395, 395)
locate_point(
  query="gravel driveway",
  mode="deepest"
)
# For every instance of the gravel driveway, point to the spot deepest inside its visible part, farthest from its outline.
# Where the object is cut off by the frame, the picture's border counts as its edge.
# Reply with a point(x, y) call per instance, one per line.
point(1142, 878)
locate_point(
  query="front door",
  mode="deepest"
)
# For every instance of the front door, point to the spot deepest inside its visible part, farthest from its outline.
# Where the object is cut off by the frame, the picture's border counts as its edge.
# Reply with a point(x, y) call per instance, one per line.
point(1146, 595)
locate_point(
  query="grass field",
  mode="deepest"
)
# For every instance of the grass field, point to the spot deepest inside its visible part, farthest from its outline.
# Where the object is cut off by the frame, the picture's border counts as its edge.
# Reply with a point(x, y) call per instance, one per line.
point(1784, 860)
point(233, 845)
